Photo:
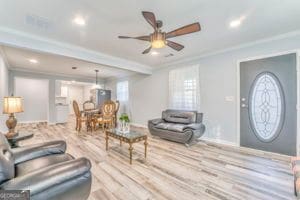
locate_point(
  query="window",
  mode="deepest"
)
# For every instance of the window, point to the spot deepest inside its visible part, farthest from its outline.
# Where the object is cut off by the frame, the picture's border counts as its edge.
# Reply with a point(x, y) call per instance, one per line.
point(122, 91)
point(266, 107)
point(184, 91)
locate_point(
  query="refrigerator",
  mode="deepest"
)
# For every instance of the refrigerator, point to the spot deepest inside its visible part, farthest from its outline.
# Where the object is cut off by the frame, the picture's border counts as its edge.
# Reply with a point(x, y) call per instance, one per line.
point(102, 96)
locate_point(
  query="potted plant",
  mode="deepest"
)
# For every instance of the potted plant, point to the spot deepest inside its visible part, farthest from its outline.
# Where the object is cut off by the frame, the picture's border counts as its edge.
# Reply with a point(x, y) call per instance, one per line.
point(124, 123)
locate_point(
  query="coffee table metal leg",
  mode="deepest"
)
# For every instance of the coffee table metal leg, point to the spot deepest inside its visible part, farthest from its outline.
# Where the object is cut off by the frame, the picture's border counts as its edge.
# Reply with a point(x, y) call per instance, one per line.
point(146, 144)
point(106, 138)
point(130, 152)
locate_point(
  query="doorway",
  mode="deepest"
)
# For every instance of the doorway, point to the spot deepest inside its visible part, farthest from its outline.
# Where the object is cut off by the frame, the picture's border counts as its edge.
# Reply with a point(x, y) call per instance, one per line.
point(268, 101)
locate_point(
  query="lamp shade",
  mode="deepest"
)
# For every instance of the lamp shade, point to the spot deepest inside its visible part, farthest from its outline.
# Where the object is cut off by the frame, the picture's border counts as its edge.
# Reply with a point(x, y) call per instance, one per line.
point(12, 105)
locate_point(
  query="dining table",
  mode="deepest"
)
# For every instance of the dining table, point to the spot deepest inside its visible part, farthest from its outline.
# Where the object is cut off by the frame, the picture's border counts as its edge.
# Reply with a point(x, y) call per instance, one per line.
point(90, 115)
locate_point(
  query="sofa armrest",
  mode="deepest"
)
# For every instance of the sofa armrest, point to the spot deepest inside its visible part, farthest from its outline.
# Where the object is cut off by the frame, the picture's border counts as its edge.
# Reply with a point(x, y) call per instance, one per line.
point(156, 121)
point(194, 126)
point(30, 152)
point(49, 177)
point(198, 130)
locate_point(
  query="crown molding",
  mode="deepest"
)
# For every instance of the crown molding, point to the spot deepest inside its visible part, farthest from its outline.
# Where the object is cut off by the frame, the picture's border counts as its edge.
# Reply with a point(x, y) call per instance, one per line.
point(58, 76)
point(4, 56)
point(14, 38)
point(213, 53)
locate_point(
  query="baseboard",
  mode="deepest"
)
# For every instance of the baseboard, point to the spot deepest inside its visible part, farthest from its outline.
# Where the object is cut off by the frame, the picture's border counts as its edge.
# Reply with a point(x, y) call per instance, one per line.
point(218, 141)
point(33, 122)
point(139, 125)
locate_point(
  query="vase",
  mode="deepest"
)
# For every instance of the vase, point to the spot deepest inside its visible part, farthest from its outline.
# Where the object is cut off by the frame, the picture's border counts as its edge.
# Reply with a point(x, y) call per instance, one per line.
point(124, 127)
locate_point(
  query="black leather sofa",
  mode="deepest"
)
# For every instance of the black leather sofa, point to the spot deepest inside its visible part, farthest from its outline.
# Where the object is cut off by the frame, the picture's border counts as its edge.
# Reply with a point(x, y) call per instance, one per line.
point(44, 169)
point(178, 125)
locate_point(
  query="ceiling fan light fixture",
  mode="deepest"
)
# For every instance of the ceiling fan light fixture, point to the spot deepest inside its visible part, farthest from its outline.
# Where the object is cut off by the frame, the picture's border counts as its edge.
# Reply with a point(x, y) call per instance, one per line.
point(158, 40)
point(157, 44)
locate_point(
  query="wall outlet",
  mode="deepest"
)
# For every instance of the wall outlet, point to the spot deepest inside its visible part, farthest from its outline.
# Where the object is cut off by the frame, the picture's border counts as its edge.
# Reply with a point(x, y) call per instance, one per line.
point(229, 98)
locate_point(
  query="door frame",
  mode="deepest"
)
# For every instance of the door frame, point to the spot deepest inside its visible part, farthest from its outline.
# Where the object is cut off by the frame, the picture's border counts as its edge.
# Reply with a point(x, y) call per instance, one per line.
point(238, 97)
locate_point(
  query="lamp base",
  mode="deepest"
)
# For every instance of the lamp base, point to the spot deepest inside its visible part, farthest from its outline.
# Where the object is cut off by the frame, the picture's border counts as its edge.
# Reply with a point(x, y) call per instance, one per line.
point(11, 124)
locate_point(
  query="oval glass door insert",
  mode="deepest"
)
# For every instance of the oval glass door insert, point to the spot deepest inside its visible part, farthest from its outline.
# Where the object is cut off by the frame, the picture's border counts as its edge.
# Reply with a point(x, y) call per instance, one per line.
point(266, 107)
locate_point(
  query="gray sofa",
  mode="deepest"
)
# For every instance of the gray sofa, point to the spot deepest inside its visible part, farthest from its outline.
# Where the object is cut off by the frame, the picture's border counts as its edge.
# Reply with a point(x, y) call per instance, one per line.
point(178, 125)
point(44, 169)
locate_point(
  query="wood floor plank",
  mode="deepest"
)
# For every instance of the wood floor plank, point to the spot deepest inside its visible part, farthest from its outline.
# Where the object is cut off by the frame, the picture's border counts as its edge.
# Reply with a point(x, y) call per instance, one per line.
point(172, 171)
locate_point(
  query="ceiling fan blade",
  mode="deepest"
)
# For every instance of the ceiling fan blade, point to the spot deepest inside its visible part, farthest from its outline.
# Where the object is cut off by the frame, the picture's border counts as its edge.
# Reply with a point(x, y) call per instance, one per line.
point(124, 37)
point(147, 50)
point(174, 45)
point(144, 38)
point(150, 18)
point(184, 30)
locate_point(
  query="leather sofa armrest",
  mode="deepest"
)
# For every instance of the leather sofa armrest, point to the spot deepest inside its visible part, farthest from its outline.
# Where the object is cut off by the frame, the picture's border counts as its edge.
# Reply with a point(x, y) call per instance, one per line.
point(194, 126)
point(30, 152)
point(49, 177)
point(156, 121)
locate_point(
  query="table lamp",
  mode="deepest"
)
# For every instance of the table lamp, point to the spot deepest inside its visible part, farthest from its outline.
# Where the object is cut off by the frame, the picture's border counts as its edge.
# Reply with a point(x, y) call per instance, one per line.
point(12, 105)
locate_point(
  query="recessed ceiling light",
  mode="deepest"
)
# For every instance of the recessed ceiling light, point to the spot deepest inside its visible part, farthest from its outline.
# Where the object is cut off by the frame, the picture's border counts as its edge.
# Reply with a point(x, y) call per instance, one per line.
point(79, 21)
point(73, 81)
point(154, 53)
point(34, 61)
point(235, 23)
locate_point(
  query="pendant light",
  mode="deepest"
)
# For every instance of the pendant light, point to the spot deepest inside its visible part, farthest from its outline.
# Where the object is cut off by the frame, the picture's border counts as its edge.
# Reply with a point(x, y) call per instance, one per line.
point(96, 86)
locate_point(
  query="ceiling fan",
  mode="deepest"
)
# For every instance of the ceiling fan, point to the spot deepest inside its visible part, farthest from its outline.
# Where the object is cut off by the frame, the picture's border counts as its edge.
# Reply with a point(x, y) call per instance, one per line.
point(159, 39)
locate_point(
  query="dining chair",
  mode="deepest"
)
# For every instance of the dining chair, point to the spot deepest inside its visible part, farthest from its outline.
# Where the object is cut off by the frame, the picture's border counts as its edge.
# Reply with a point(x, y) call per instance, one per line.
point(89, 105)
point(79, 118)
point(106, 119)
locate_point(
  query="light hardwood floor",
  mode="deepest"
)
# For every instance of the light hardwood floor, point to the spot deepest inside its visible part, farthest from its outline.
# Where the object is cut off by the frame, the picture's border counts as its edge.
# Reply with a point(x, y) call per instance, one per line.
point(172, 171)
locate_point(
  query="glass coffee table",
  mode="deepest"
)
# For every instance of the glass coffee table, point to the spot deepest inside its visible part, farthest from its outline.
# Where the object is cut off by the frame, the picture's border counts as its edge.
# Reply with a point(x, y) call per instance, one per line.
point(130, 138)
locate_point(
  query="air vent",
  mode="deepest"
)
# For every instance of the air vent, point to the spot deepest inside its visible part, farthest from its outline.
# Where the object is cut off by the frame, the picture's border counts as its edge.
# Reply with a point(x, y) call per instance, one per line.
point(169, 55)
point(38, 22)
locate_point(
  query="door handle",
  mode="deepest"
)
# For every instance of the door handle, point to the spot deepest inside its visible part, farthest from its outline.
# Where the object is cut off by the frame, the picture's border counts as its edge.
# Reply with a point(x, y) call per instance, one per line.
point(244, 105)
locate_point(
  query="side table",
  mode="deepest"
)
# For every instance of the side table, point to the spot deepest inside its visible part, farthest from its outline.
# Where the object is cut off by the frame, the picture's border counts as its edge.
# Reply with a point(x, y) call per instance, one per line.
point(19, 137)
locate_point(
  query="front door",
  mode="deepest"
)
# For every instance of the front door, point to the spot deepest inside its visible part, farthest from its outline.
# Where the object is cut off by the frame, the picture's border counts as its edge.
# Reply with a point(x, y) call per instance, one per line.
point(268, 91)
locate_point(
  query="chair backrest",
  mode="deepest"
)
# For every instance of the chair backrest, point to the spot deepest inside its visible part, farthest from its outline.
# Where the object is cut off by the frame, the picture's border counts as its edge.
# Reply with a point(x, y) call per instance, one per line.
point(76, 109)
point(89, 105)
point(108, 109)
point(180, 116)
point(7, 166)
point(117, 107)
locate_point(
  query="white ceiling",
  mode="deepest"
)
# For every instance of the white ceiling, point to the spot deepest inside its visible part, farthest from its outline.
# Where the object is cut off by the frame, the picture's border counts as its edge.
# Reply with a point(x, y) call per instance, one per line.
point(54, 64)
point(105, 20)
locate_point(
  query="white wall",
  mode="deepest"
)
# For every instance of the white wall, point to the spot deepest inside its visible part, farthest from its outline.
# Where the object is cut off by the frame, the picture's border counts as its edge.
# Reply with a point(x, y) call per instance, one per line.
point(218, 79)
point(3, 90)
point(52, 80)
point(35, 93)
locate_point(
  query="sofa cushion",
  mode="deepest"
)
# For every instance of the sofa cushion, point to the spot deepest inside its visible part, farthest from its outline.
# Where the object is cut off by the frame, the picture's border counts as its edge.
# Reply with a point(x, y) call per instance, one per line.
point(178, 116)
point(171, 126)
point(38, 163)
